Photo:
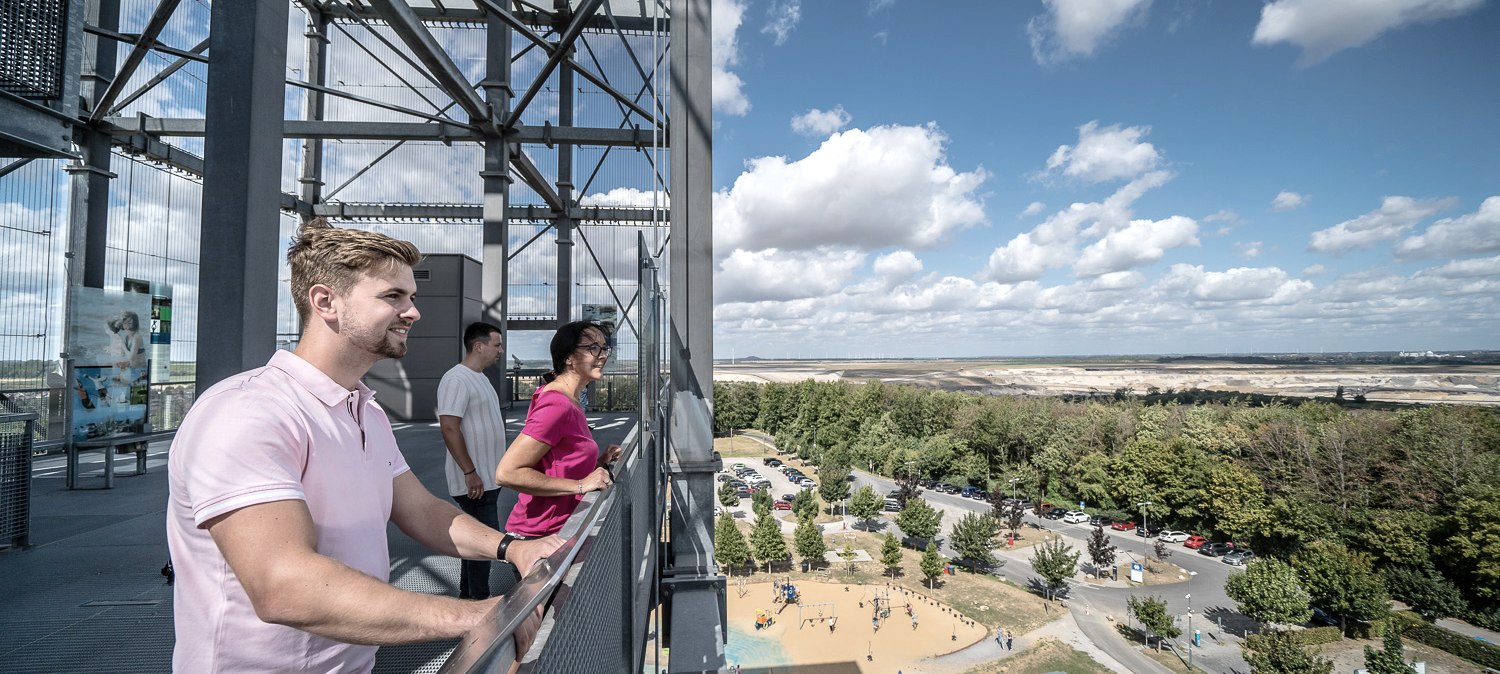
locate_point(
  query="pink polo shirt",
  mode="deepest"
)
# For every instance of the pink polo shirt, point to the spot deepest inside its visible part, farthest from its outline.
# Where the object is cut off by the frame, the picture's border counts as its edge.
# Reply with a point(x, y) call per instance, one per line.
point(556, 421)
point(283, 431)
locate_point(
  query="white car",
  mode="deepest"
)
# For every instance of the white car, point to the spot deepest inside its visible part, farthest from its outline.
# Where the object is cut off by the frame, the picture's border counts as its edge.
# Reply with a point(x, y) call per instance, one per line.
point(807, 483)
point(1170, 536)
point(1076, 517)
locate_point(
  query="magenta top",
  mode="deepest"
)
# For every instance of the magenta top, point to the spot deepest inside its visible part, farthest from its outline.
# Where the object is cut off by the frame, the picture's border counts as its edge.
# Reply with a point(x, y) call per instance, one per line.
point(556, 421)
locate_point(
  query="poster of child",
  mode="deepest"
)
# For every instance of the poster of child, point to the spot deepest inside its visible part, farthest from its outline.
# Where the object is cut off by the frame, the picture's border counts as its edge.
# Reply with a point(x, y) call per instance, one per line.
point(109, 348)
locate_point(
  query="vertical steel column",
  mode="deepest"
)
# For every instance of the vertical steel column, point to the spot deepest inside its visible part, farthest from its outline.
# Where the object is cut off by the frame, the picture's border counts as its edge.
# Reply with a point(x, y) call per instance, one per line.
point(696, 590)
point(564, 223)
point(242, 172)
point(495, 276)
point(88, 230)
point(315, 69)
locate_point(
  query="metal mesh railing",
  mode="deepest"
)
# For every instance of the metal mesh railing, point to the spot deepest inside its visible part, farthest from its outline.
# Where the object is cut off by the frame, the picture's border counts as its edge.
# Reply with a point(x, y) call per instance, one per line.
point(32, 46)
point(15, 478)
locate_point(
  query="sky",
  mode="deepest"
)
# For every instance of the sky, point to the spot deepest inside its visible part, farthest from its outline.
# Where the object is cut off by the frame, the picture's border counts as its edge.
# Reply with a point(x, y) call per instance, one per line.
point(1086, 177)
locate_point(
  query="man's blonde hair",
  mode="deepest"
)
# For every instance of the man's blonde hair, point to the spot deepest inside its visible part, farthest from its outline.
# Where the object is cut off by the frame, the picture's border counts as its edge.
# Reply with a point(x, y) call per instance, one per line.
point(322, 253)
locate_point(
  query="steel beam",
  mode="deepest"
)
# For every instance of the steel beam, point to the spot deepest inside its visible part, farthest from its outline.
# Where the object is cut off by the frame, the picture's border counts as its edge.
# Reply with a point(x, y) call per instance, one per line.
point(696, 633)
point(89, 211)
point(641, 24)
point(559, 52)
point(494, 283)
point(564, 225)
point(315, 68)
point(458, 212)
point(239, 231)
point(535, 180)
point(444, 132)
point(158, 78)
point(143, 44)
point(420, 41)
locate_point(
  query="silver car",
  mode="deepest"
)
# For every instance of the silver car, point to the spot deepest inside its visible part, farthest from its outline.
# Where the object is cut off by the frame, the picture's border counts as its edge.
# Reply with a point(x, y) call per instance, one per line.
point(1239, 557)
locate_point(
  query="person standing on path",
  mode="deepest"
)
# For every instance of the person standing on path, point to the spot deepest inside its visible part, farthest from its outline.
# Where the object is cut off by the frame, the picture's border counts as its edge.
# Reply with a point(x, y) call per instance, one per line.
point(1009, 638)
point(473, 430)
point(999, 635)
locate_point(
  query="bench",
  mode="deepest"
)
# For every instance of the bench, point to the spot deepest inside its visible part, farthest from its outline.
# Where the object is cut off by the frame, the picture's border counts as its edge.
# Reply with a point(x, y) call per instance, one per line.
point(111, 446)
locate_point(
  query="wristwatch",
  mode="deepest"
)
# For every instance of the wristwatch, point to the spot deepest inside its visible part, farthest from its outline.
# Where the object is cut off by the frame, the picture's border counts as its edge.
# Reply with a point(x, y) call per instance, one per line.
point(505, 542)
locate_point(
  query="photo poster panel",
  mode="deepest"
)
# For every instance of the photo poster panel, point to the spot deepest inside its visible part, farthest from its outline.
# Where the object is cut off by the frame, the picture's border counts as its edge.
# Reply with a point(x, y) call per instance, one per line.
point(160, 352)
point(108, 334)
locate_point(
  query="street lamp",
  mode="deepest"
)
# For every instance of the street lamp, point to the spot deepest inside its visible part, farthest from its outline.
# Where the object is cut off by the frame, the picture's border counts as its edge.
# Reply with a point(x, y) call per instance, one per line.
point(1013, 482)
point(1191, 636)
point(1145, 548)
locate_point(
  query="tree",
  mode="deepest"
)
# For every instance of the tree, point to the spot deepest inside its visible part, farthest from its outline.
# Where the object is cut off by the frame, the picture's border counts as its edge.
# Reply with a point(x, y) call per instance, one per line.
point(1426, 590)
point(972, 538)
point(730, 549)
point(919, 520)
point(1152, 612)
point(728, 497)
point(1279, 652)
point(760, 503)
point(1391, 659)
point(1055, 562)
point(1476, 537)
point(866, 504)
point(1011, 518)
point(1268, 591)
point(809, 540)
point(849, 554)
point(932, 563)
point(766, 541)
point(834, 482)
point(1101, 551)
point(804, 504)
point(1160, 551)
point(1342, 582)
point(890, 553)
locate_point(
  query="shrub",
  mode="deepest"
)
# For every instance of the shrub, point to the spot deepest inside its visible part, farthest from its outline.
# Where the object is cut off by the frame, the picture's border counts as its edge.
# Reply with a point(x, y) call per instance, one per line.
point(1464, 647)
point(1315, 636)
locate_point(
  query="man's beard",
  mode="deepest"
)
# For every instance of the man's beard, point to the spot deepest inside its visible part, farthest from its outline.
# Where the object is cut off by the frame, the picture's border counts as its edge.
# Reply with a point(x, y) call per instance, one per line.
point(384, 344)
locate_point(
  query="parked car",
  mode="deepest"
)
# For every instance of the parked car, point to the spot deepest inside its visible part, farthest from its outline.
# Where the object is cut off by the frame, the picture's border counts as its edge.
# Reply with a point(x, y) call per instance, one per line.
point(1075, 517)
point(1173, 536)
point(787, 498)
point(947, 488)
point(743, 492)
point(1215, 549)
point(981, 495)
point(723, 477)
point(1055, 514)
point(1194, 542)
point(1123, 525)
point(807, 484)
point(1101, 521)
point(772, 461)
point(1239, 557)
point(1147, 531)
point(893, 505)
point(968, 492)
point(738, 484)
point(782, 505)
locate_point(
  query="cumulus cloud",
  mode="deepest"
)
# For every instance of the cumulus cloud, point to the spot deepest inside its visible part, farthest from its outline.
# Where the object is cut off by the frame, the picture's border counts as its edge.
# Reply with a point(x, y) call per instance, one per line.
point(1394, 218)
point(1241, 284)
point(1118, 280)
point(1286, 201)
point(1314, 270)
point(898, 266)
point(772, 274)
point(1323, 27)
point(879, 5)
point(1477, 267)
point(1110, 153)
point(887, 186)
point(1477, 232)
point(1033, 208)
point(782, 17)
point(728, 88)
point(1140, 243)
point(1250, 249)
point(817, 122)
point(1077, 28)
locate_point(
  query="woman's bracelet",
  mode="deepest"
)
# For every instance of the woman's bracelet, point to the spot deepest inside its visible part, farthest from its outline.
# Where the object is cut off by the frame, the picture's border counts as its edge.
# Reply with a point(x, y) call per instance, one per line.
point(469, 472)
point(580, 487)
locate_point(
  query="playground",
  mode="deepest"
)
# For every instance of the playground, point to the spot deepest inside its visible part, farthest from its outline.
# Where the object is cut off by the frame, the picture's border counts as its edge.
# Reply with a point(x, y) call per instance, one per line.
point(878, 628)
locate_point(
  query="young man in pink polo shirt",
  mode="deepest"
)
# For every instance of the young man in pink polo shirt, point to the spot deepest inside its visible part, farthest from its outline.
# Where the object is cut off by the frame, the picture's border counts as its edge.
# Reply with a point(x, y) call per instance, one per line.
point(283, 479)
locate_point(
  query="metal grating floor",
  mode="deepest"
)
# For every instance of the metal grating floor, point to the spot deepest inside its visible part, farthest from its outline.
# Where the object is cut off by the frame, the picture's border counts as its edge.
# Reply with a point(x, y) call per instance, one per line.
point(88, 595)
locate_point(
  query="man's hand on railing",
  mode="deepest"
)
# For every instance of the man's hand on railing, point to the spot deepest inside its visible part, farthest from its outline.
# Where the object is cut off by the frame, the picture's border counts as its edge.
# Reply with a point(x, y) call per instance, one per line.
point(524, 554)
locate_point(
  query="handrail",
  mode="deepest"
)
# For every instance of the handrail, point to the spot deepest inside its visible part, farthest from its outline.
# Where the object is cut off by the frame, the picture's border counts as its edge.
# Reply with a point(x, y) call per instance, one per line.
point(17, 417)
point(492, 643)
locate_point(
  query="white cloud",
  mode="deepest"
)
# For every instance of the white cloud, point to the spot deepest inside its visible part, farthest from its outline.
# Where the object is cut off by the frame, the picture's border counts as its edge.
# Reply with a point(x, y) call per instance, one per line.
point(1477, 232)
point(626, 197)
point(817, 122)
point(729, 97)
point(1110, 153)
point(888, 186)
point(1032, 208)
point(1324, 27)
point(898, 266)
point(1314, 270)
point(1241, 284)
point(1395, 216)
point(784, 15)
point(1477, 267)
point(777, 275)
point(1076, 28)
point(884, 36)
point(1118, 280)
point(879, 5)
point(1223, 215)
point(1142, 242)
point(1250, 249)
point(1286, 201)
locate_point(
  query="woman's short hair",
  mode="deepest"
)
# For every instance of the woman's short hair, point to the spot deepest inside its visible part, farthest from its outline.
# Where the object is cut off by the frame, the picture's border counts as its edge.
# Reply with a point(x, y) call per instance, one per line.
point(336, 257)
point(117, 323)
point(566, 340)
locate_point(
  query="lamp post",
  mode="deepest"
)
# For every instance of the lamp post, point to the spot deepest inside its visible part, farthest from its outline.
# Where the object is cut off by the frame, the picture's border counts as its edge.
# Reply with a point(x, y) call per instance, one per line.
point(1145, 540)
point(1191, 636)
point(1013, 482)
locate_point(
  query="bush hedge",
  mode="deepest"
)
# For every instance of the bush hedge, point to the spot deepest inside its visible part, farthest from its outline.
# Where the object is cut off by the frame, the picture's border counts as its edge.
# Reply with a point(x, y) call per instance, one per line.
point(1314, 636)
point(1447, 640)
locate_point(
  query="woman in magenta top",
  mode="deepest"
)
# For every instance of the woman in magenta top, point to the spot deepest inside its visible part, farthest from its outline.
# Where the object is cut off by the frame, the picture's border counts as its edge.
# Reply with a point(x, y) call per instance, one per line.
point(554, 460)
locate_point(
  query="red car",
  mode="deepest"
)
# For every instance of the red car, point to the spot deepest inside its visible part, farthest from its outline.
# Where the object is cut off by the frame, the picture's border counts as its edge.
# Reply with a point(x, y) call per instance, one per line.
point(1124, 525)
point(782, 505)
point(1194, 542)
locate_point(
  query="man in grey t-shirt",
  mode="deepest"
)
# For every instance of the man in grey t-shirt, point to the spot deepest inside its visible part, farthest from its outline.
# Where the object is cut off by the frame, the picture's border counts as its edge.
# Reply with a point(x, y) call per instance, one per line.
point(474, 432)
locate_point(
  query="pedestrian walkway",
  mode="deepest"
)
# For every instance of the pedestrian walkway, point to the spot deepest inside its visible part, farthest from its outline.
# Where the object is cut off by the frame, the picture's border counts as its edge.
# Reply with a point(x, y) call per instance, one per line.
point(1064, 629)
point(1103, 634)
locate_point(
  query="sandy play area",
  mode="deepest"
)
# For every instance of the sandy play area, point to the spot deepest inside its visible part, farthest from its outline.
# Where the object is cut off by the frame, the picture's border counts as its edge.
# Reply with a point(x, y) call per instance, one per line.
point(854, 644)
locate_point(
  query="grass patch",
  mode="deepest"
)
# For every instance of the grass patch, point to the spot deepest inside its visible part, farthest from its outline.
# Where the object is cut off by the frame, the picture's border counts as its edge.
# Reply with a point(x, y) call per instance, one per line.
point(738, 447)
point(1047, 655)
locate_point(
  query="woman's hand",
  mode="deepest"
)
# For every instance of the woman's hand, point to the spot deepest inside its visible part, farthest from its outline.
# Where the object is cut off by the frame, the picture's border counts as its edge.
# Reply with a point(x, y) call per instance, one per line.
point(596, 481)
point(611, 454)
